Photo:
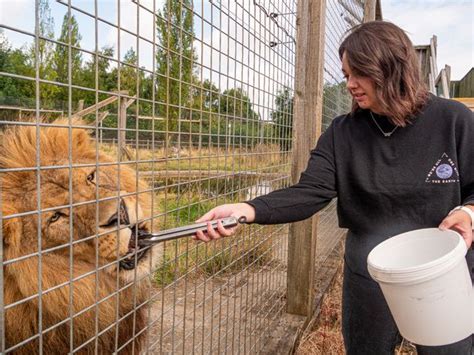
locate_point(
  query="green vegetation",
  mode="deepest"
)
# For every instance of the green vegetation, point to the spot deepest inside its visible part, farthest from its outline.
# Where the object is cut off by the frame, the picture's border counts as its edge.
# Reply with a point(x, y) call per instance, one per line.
point(283, 118)
point(190, 109)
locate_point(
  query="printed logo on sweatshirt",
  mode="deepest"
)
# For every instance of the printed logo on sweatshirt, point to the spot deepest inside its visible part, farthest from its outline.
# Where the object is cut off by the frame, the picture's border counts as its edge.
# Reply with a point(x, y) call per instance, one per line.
point(443, 172)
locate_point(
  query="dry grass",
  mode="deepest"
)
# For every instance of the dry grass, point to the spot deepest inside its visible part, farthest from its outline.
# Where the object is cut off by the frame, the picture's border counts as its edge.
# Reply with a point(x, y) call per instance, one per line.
point(262, 156)
point(326, 338)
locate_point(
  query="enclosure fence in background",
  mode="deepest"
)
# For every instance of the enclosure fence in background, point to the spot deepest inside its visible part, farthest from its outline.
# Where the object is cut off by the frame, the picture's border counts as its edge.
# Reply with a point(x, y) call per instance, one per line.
point(341, 16)
point(120, 118)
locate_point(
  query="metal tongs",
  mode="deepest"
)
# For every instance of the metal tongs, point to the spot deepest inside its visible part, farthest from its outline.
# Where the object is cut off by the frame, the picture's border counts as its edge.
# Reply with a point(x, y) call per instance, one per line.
point(184, 231)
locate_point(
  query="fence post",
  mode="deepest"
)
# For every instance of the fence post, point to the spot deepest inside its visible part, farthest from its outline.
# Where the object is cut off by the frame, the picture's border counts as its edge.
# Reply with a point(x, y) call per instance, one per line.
point(369, 10)
point(307, 128)
point(122, 125)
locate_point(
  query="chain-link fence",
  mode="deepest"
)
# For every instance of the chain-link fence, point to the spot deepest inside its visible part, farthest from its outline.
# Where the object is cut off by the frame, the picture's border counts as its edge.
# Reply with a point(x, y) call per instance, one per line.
point(120, 118)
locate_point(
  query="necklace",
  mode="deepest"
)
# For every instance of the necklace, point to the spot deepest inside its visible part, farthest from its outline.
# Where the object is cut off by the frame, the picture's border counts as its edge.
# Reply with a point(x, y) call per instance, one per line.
point(386, 134)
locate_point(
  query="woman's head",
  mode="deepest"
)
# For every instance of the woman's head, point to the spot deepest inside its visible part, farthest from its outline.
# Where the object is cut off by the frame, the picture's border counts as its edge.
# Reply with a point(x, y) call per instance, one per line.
point(382, 71)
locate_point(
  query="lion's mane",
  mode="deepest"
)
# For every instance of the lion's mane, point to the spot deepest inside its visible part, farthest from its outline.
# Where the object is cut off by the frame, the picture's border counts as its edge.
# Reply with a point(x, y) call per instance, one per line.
point(82, 301)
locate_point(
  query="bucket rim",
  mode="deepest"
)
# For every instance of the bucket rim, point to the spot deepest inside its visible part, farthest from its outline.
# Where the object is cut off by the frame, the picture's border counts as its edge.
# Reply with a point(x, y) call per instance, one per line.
point(417, 273)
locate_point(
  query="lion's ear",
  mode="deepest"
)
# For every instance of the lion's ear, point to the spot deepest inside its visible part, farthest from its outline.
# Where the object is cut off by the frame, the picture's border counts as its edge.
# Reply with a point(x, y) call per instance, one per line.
point(81, 139)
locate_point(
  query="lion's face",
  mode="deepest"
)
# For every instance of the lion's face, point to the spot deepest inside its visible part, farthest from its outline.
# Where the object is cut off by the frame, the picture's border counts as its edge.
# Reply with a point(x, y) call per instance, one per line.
point(103, 213)
point(99, 207)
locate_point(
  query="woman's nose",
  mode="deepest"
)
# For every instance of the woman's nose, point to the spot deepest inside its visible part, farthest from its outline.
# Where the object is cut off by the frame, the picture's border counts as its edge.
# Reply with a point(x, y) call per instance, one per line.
point(351, 83)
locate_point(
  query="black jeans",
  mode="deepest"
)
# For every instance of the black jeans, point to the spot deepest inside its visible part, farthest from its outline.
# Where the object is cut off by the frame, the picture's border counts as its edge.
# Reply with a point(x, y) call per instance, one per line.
point(368, 327)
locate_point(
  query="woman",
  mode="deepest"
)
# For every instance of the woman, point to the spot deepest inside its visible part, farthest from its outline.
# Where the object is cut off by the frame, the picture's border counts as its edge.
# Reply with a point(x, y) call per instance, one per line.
point(401, 160)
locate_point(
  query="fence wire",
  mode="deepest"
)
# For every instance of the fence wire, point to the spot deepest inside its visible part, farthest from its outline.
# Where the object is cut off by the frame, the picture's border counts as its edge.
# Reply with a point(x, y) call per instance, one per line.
point(341, 15)
point(192, 97)
point(126, 116)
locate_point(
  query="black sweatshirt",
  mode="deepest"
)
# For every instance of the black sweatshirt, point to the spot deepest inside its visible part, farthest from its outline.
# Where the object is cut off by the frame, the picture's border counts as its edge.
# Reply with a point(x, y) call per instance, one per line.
point(384, 185)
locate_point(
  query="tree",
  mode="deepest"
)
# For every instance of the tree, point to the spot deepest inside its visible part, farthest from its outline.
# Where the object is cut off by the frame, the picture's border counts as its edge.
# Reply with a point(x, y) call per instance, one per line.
point(175, 60)
point(15, 91)
point(235, 102)
point(210, 96)
point(336, 101)
point(282, 117)
point(106, 81)
point(61, 55)
point(128, 73)
point(45, 51)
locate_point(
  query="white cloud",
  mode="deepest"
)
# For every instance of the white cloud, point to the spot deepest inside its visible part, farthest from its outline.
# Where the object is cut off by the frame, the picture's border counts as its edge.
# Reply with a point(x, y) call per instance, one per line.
point(451, 21)
point(14, 12)
point(245, 59)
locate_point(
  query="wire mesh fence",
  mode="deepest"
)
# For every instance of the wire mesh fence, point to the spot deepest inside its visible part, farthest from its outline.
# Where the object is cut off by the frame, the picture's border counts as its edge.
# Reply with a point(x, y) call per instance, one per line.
point(341, 15)
point(125, 117)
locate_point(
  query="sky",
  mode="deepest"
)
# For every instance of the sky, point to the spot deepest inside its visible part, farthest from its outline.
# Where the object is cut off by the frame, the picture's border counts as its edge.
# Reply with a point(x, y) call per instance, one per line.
point(451, 21)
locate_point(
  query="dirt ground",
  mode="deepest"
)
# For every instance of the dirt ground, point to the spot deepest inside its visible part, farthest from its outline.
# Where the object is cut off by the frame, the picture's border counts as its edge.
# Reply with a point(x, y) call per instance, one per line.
point(229, 313)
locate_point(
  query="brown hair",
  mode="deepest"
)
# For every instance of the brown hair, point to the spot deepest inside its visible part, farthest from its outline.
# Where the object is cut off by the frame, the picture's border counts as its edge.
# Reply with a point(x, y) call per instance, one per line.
point(383, 52)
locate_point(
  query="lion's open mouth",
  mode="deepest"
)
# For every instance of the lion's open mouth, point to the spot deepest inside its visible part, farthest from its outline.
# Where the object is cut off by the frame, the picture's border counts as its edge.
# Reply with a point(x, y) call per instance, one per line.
point(136, 251)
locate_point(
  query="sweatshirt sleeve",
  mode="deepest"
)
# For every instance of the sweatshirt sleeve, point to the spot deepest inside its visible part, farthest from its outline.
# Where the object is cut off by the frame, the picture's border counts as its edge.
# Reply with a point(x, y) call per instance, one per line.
point(314, 190)
point(465, 148)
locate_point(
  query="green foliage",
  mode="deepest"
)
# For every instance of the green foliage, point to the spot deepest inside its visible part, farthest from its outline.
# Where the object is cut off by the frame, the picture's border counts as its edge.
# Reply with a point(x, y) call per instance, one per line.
point(175, 60)
point(194, 109)
point(282, 118)
point(209, 96)
point(61, 55)
point(12, 90)
point(235, 102)
point(107, 81)
point(336, 101)
point(45, 51)
point(168, 270)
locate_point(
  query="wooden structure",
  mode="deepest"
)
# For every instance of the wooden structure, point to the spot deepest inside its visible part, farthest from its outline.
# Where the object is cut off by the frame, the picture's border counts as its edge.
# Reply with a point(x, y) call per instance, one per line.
point(463, 87)
point(438, 83)
point(307, 127)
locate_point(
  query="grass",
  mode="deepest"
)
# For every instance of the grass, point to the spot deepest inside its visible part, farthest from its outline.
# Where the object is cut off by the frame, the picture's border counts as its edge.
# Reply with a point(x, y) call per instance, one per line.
point(227, 255)
point(264, 157)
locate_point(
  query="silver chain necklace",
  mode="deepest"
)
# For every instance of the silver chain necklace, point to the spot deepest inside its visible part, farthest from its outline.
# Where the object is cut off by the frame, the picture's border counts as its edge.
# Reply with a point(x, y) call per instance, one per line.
point(386, 134)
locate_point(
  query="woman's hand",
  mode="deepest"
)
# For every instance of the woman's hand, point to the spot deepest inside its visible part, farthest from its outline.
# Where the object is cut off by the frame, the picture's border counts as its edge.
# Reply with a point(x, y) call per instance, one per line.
point(460, 222)
point(236, 210)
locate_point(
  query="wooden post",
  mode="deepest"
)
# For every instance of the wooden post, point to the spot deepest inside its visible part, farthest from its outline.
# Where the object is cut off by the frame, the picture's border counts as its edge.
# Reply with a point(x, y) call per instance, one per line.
point(122, 121)
point(369, 10)
point(307, 127)
point(122, 125)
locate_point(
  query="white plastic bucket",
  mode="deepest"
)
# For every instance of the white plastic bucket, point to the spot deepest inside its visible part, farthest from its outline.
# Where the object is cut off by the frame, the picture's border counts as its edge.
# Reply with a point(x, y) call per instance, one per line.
point(424, 277)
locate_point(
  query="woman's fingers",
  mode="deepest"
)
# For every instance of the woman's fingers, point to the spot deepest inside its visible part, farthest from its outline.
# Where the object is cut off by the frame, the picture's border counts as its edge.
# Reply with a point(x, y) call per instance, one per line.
point(212, 233)
point(201, 236)
point(236, 210)
point(210, 215)
point(460, 223)
point(223, 231)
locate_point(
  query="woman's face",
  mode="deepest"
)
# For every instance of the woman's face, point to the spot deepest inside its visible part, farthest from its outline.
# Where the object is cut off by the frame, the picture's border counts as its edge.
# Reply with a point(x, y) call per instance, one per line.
point(361, 88)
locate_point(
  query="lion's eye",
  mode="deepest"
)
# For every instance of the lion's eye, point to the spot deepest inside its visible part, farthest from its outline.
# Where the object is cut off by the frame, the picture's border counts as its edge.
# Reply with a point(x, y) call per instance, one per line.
point(55, 217)
point(91, 177)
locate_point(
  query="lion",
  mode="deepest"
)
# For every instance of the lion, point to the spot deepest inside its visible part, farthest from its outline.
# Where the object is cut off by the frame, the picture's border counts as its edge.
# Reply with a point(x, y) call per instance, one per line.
point(82, 234)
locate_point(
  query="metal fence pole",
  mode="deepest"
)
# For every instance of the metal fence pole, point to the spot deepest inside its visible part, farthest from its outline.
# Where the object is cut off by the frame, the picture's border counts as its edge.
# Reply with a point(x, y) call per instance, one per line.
point(307, 127)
